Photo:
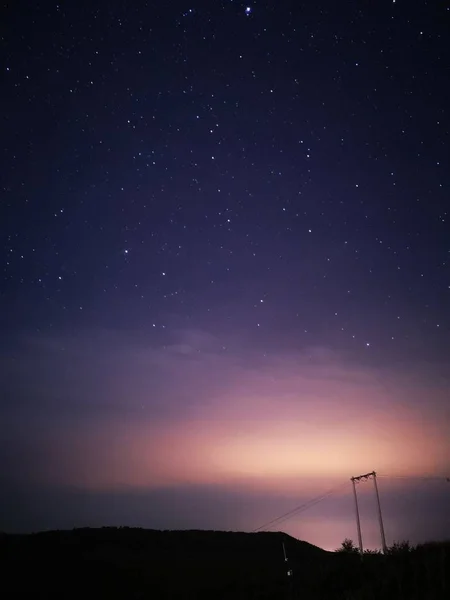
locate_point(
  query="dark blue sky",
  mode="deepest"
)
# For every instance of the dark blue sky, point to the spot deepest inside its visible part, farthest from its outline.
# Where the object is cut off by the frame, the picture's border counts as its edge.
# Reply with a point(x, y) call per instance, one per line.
point(260, 189)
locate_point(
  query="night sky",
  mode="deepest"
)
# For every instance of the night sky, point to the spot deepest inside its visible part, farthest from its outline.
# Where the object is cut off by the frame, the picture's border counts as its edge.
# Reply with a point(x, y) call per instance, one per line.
point(225, 264)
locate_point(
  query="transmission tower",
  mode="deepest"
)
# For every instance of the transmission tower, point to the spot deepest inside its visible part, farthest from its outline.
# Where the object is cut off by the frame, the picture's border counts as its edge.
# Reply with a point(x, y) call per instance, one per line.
point(354, 481)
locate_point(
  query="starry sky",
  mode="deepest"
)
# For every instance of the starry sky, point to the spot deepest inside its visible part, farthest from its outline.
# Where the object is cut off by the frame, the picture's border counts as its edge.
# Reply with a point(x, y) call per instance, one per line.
point(225, 266)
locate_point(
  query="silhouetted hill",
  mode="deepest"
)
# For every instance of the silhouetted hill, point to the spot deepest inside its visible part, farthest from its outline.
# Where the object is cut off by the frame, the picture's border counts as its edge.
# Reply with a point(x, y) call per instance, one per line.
point(130, 563)
point(133, 563)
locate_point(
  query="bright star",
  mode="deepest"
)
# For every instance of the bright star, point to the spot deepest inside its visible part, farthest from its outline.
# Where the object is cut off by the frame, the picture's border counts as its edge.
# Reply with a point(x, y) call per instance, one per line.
point(248, 10)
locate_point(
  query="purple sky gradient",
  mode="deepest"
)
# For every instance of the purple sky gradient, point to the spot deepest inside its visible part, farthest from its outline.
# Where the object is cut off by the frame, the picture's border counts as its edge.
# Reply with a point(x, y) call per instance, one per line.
point(224, 264)
point(204, 431)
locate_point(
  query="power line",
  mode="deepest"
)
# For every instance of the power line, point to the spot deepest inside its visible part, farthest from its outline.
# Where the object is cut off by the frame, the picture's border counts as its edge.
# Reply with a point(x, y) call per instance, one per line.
point(310, 505)
point(300, 508)
point(290, 514)
point(417, 477)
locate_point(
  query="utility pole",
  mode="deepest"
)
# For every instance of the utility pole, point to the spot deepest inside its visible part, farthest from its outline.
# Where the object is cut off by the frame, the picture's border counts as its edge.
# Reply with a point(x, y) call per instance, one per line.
point(355, 480)
point(358, 522)
point(380, 516)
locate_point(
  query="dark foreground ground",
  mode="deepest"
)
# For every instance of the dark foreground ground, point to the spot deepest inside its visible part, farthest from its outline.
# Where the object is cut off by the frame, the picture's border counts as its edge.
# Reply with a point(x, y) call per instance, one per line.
point(111, 563)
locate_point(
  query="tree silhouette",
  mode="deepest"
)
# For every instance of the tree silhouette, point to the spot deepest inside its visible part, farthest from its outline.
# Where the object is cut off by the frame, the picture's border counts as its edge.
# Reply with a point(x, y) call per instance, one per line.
point(348, 547)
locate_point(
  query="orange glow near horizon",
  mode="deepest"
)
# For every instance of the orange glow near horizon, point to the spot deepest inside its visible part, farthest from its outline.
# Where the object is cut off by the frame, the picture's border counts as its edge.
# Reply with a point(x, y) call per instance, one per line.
point(264, 453)
point(170, 424)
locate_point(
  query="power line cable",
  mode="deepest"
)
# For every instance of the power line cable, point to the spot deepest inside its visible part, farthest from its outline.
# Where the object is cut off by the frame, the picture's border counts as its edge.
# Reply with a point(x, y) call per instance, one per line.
point(417, 477)
point(300, 508)
point(281, 520)
point(310, 503)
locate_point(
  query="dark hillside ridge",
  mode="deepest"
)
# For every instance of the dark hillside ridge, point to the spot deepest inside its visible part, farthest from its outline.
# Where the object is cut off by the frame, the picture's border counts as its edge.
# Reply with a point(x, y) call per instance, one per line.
point(131, 563)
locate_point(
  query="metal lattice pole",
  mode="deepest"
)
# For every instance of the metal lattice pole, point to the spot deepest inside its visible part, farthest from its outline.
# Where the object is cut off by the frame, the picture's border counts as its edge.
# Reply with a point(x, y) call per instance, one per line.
point(380, 516)
point(358, 521)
